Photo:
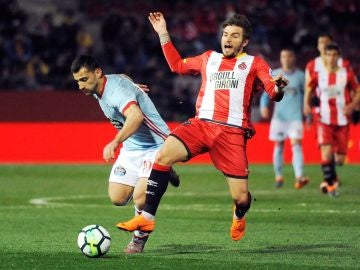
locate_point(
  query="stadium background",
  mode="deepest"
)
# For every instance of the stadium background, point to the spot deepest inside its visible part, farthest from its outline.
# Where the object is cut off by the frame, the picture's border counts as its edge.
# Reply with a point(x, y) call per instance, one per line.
point(43, 119)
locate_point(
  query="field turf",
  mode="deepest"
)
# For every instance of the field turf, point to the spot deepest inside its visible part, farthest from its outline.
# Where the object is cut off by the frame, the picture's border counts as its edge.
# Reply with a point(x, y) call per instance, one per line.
point(42, 208)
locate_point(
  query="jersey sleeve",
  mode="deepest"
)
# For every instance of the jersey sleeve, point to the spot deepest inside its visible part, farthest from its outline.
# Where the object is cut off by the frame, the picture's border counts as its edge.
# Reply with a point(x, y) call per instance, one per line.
point(263, 72)
point(313, 81)
point(352, 81)
point(191, 65)
point(124, 94)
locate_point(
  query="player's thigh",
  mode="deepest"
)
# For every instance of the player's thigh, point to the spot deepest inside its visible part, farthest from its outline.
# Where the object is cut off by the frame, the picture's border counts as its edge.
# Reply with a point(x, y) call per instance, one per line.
point(172, 151)
point(228, 153)
point(278, 130)
point(238, 189)
point(295, 130)
point(120, 194)
point(140, 192)
point(125, 173)
point(341, 138)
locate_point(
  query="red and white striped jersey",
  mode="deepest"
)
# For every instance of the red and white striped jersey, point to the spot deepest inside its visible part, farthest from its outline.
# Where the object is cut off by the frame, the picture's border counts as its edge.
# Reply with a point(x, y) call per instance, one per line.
point(228, 84)
point(334, 90)
point(317, 64)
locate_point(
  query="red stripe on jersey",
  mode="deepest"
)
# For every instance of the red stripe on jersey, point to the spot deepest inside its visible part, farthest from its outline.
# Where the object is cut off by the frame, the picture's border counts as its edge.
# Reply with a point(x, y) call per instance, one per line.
point(103, 86)
point(154, 128)
point(128, 105)
point(332, 101)
point(222, 96)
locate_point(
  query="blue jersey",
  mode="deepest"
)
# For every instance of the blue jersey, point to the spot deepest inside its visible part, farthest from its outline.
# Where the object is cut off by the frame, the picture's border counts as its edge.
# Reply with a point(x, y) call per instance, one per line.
point(119, 93)
point(291, 106)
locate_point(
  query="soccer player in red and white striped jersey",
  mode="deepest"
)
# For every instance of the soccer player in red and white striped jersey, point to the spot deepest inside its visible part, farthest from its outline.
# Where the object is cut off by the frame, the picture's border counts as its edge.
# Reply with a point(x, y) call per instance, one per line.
point(318, 64)
point(222, 122)
point(339, 93)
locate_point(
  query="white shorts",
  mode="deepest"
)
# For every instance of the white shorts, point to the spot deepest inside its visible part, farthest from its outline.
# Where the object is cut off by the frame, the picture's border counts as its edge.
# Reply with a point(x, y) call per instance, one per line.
point(132, 165)
point(281, 130)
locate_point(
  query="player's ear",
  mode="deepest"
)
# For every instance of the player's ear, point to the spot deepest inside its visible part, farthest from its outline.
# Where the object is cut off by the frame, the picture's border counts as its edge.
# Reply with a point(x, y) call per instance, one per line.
point(98, 73)
point(245, 42)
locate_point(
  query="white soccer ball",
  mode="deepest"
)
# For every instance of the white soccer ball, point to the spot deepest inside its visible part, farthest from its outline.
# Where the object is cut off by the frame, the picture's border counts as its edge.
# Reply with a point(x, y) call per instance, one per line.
point(94, 241)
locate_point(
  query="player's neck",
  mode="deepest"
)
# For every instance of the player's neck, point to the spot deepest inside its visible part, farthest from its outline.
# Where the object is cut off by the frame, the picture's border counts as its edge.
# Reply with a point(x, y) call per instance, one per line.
point(101, 86)
point(332, 68)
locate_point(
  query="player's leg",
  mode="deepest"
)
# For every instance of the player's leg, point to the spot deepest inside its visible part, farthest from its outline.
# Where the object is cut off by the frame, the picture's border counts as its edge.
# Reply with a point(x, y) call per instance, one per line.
point(122, 179)
point(298, 163)
point(242, 199)
point(278, 134)
point(326, 142)
point(183, 143)
point(228, 154)
point(120, 194)
point(173, 150)
point(139, 238)
point(278, 157)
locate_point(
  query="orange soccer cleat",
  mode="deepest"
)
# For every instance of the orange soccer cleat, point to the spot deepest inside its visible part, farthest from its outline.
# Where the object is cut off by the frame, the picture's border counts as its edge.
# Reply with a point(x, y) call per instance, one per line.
point(137, 223)
point(237, 229)
point(299, 184)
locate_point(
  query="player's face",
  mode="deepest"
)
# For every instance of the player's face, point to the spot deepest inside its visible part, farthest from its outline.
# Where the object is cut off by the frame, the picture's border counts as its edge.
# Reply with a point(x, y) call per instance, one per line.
point(232, 41)
point(322, 43)
point(331, 58)
point(88, 81)
point(287, 59)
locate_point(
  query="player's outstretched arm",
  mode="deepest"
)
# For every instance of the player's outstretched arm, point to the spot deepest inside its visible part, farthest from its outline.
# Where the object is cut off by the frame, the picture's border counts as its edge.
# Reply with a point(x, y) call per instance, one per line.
point(158, 22)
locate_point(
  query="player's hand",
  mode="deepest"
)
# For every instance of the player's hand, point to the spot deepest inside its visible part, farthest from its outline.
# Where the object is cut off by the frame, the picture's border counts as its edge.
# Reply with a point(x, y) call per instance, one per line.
point(158, 22)
point(280, 81)
point(109, 150)
point(143, 87)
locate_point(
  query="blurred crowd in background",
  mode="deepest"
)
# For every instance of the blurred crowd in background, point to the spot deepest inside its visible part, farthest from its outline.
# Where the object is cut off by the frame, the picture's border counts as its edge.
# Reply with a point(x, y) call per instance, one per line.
point(40, 38)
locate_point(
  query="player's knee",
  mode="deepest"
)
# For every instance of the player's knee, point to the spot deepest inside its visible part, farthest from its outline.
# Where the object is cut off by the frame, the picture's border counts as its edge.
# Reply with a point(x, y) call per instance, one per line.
point(340, 162)
point(163, 159)
point(120, 201)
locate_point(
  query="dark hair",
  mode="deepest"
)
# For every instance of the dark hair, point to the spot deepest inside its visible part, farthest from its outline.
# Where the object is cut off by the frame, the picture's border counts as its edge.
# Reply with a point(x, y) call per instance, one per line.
point(325, 34)
point(333, 47)
point(242, 21)
point(86, 61)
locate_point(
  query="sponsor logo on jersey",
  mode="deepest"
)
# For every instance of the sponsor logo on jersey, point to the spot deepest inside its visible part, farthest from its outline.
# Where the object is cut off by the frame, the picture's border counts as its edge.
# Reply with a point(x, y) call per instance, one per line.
point(242, 66)
point(120, 171)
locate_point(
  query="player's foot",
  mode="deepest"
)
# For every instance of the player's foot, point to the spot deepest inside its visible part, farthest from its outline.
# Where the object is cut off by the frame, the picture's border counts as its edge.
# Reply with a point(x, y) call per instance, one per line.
point(332, 190)
point(137, 223)
point(323, 187)
point(237, 229)
point(174, 178)
point(136, 244)
point(279, 182)
point(299, 184)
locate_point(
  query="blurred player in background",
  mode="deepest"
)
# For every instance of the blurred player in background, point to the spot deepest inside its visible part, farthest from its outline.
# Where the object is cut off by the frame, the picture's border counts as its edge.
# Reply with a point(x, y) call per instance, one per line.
point(334, 86)
point(222, 122)
point(286, 121)
point(140, 128)
point(315, 65)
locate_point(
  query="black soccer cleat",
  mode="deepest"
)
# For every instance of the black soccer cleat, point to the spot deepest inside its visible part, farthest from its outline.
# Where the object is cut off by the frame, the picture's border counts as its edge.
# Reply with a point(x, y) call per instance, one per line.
point(174, 178)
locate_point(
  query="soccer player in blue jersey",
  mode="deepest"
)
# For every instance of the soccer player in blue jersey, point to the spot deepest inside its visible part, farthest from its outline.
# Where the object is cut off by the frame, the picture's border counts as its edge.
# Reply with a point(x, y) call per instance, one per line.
point(141, 130)
point(286, 121)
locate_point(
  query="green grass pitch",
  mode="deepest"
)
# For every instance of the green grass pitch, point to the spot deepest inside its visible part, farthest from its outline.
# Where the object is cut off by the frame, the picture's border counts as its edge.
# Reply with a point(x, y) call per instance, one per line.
point(42, 209)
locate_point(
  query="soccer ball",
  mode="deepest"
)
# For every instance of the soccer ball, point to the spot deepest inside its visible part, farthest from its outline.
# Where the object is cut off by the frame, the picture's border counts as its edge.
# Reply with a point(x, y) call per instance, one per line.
point(94, 241)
